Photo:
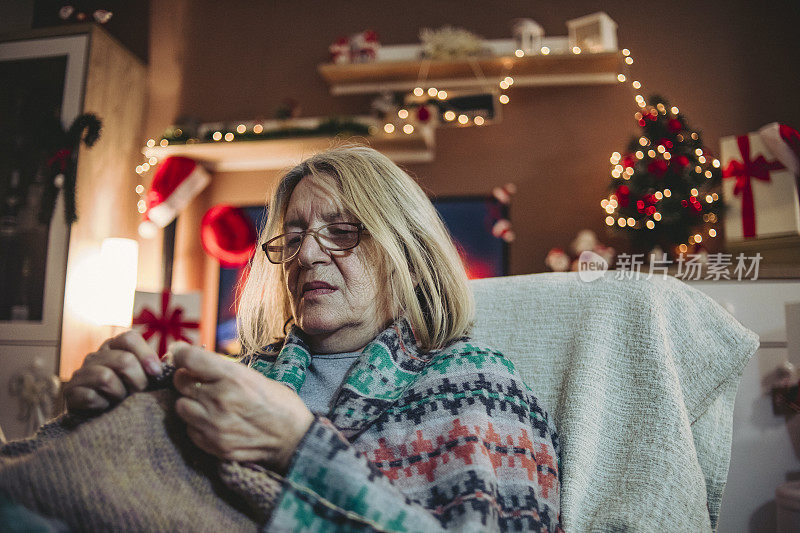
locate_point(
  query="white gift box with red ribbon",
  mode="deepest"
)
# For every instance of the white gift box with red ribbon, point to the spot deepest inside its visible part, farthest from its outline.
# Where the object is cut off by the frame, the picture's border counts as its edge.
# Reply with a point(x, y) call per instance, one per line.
point(164, 317)
point(760, 192)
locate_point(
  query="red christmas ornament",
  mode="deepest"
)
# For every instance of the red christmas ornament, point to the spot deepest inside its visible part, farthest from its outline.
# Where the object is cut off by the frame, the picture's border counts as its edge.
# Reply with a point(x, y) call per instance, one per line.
point(228, 235)
point(658, 167)
point(675, 125)
point(623, 195)
point(682, 161)
point(423, 115)
point(628, 161)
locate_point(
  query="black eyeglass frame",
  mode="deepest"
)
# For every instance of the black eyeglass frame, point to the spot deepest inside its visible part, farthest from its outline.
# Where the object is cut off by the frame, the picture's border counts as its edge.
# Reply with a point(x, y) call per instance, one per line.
point(315, 233)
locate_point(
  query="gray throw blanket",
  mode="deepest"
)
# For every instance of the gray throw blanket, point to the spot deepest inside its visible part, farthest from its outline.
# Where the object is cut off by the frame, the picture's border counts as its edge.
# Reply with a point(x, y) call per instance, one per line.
point(134, 469)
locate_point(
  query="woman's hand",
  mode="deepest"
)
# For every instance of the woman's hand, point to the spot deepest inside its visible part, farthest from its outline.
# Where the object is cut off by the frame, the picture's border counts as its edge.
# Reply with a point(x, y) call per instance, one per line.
point(114, 371)
point(235, 413)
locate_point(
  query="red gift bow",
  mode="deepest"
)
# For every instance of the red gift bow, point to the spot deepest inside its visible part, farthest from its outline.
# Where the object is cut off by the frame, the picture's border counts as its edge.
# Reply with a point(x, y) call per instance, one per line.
point(61, 157)
point(743, 171)
point(169, 324)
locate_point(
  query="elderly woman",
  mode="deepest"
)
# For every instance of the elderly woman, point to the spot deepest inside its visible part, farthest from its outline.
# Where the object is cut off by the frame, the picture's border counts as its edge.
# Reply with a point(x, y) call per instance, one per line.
point(376, 407)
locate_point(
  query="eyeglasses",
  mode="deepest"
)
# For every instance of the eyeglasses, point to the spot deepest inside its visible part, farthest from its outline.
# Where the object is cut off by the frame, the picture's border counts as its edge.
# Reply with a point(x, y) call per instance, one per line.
point(336, 237)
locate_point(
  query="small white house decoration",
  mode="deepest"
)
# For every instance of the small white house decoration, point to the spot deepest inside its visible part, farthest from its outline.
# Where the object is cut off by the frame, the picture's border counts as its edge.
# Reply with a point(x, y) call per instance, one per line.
point(528, 36)
point(593, 33)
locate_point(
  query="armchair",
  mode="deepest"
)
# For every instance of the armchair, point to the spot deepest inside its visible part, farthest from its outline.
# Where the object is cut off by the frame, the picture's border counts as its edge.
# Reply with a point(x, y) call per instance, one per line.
point(640, 376)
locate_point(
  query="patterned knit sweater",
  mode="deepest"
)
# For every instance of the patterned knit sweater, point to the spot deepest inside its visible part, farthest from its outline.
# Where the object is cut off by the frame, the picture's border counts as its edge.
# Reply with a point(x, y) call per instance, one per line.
point(450, 439)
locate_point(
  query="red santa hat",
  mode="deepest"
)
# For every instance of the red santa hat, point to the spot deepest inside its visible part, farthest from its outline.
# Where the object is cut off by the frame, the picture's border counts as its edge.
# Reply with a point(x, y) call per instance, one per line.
point(784, 143)
point(176, 182)
point(228, 235)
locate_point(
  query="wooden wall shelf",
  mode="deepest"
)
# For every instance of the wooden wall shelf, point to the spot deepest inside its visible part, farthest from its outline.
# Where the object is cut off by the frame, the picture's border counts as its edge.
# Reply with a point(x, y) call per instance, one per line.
point(281, 153)
point(538, 70)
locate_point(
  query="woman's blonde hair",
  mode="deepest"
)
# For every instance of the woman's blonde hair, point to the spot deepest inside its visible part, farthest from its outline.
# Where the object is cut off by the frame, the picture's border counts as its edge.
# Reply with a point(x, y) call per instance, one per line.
point(406, 243)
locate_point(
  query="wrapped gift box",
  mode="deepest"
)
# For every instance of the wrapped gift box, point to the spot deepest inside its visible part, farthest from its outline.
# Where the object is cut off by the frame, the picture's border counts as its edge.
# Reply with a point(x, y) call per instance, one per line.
point(163, 317)
point(760, 192)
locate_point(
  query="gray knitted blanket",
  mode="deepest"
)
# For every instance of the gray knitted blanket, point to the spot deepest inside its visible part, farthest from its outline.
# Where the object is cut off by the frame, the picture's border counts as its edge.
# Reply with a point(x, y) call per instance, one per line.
point(134, 469)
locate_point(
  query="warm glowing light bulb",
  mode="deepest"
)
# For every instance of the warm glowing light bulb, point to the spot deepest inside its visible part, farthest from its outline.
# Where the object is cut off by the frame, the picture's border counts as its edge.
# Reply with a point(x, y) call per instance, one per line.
point(164, 142)
point(626, 52)
point(683, 248)
point(661, 149)
point(693, 192)
point(258, 128)
point(408, 129)
point(441, 95)
point(604, 203)
point(139, 169)
point(656, 216)
point(141, 206)
point(667, 193)
point(403, 113)
point(621, 222)
point(479, 120)
point(709, 198)
point(503, 84)
point(545, 50)
point(636, 85)
point(714, 196)
point(449, 115)
point(698, 238)
point(418, 91)
point(463, 119)
point(217, 136)
point(229, 136)
point(639, 154)
point(503, 99)
point(432, 92)
point(519, 53)
point(241, 128)
point(139, 189)
point(609, 221)
point(616, 173)
point(698, 169)
point(712, 232)
point(698, 151)
point(145, 167)
point(509, 80)
point(388, 127)
point(643, 141)
point(651, 153)
point(631, 221)
point(151, 143)
point(674, 110)
point(629, 60)
point(576, 49)
point(650, 224)
point(658, 195)
point(694, 136)
point(621, 78)
point(667, 156)
point(715, 163)
point(702, 159)
point(152, 161)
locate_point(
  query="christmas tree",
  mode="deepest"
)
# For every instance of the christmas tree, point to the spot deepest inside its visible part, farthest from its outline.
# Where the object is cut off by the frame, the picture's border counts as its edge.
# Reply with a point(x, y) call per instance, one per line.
point(663, 187)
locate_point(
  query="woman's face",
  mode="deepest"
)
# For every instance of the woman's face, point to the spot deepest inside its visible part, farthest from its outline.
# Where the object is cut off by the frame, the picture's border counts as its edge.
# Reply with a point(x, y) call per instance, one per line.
point(334, 296)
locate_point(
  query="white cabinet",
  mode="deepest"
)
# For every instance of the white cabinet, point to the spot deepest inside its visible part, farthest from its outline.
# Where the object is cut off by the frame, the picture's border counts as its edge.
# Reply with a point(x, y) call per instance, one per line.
point(764, 445)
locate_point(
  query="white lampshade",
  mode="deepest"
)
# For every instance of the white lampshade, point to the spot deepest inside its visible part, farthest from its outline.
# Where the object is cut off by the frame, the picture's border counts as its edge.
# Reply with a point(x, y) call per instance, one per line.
point(118, 264)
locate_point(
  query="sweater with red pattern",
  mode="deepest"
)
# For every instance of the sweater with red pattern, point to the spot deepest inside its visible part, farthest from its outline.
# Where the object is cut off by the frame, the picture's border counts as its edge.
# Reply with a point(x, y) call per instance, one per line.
point(419, 441)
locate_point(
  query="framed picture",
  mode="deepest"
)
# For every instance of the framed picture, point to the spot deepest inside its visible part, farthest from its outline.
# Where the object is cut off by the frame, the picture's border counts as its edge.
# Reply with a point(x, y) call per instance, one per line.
point(469, 219)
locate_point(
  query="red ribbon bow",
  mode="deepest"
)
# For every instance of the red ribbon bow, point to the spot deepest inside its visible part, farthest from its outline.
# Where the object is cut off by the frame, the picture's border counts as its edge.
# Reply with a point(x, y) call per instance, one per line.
point(61, 158)
point(743, 171)
point(169, 324)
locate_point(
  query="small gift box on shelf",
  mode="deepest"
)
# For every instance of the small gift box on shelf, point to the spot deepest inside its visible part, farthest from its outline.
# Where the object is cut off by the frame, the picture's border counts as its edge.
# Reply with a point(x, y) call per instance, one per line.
point(164, 317)
point(760, 184)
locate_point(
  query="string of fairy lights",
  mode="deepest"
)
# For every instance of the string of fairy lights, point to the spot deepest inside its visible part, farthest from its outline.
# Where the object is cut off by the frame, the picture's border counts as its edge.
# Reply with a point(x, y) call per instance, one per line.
point(422, 92)
point(655, 151)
